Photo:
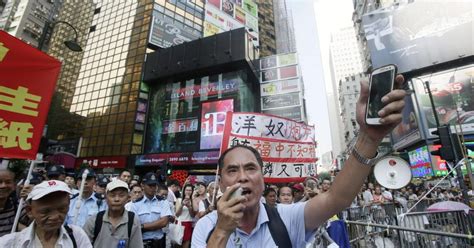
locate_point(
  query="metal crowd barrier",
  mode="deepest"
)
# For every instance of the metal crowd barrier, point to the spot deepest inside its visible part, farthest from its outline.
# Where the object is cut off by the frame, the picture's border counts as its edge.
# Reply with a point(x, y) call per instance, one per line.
point(385, 225)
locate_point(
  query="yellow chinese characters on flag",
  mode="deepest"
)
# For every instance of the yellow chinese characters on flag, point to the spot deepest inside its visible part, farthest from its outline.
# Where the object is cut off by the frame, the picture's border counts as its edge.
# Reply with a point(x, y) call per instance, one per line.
point(28, 80)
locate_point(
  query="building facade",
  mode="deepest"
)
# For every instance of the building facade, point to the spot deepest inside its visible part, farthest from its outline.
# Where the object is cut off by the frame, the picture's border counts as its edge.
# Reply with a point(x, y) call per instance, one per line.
point(26, 19)
point(284, 28)
point(266, 23)
point(345, 62)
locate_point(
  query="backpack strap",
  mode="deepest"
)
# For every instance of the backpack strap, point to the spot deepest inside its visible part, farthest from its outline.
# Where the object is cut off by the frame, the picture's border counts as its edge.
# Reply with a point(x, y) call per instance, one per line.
point(131, 218)
point(98, 225)
point(71, 235)
point(277, 227)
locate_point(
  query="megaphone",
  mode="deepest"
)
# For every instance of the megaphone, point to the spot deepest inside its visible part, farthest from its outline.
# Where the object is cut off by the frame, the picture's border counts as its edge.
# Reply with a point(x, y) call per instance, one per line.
point(392, 172)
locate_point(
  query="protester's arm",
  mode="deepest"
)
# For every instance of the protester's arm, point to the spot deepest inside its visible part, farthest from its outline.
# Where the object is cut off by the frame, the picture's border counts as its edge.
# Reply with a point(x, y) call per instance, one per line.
point(349, 181)
point(179, 207)
point(156, 225)
point(202, 210)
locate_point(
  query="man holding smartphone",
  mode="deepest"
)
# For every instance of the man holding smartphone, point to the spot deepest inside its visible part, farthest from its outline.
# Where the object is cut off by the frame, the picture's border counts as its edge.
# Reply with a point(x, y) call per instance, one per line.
point(243, 221)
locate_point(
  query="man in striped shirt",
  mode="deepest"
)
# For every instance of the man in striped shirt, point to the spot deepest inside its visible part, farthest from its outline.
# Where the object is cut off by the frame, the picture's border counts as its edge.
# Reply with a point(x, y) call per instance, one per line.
point(8, 201)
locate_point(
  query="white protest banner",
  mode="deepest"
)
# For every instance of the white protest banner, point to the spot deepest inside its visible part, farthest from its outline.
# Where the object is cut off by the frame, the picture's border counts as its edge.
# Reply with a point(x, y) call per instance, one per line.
point(288, 148)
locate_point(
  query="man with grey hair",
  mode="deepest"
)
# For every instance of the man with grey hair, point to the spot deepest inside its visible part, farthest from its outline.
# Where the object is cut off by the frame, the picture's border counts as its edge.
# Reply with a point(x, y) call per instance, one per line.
point(48, 204)
point(242, 220)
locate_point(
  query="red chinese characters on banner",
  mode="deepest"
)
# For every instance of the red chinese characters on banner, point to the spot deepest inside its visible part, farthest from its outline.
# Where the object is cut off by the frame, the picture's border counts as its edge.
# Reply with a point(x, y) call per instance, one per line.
point(288, 148)
point(28, 78)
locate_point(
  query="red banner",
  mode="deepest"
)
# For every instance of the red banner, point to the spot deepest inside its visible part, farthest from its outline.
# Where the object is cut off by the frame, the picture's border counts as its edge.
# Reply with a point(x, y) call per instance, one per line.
point(28, 78)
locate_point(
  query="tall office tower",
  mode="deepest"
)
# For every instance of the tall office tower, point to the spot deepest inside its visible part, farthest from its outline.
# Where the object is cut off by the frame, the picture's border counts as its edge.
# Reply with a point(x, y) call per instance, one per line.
point(344, 62)
point(108, 84)
point(349, 89)
point(284, 28)
point(266, 24)
point(108, 92)
point(26, 19)
point(62, 124)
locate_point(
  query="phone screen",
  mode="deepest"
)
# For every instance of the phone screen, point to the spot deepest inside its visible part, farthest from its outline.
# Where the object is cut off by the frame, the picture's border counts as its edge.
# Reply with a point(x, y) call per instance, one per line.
point(381, 85)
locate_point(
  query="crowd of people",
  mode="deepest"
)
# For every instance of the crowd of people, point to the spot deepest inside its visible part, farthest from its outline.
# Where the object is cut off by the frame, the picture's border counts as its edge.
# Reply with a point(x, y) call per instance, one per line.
point(140, 210)
point(91, 211)
point(116, 212)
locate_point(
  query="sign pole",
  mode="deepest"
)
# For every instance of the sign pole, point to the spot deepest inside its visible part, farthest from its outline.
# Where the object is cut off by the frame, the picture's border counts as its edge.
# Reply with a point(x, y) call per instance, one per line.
point(22, 200)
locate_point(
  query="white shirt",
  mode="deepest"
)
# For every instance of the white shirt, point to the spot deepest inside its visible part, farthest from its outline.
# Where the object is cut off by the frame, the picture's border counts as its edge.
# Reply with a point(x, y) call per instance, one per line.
point(171, 197)
point(185, 215)
point(368, 198)
point(26, 238)
point(291, 214)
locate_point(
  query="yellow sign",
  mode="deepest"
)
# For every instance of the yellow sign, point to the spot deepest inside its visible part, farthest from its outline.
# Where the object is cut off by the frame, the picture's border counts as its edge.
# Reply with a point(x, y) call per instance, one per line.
point(15, 134)
point(3, 51)
point(210, 29)
point(19, 101)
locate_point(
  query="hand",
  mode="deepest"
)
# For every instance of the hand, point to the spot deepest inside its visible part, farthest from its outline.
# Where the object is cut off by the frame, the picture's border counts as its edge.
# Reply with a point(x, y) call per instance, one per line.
point(230, 211)
point(25, 190)
point(390, 114)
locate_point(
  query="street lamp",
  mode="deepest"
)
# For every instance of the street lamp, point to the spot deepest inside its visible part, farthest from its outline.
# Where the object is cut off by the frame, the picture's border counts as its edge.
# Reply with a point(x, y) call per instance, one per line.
point(73, 45)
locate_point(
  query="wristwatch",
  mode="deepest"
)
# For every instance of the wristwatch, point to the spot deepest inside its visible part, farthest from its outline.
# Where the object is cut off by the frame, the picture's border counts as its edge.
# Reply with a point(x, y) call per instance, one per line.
point(363, 160)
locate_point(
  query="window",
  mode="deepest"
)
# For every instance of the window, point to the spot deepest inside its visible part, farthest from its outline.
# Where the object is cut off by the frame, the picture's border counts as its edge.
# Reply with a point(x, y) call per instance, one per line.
point(97, 11)
point(92, 29)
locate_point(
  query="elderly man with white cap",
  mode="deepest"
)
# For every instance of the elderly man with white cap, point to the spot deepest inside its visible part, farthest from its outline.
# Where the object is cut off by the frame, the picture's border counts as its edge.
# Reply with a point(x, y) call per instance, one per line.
point(48, 204)
point(115, 227)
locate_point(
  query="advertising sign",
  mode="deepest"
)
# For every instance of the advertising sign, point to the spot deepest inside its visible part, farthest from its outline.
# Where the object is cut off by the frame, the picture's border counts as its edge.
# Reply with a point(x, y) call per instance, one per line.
point(250, 7)
point(216, 3)
point(239, 14)
point(220, 19)
point(439, 166)
point(420, 162)
point(279, 101)
point(103, 162)
point(228, 7)
point(453, 98)
point(394, 37)
point(288, 148)
point(280, 87)
point(179, 158)
point(210, 29)
point(279, 60)
point(210, 89)
point(179, 126)
point(27, 81)
point(293, 113)
point(408, 131)
point(287, 59)
point(279, 73)
point(164, 34)
point(268, 62)
point(212, 122)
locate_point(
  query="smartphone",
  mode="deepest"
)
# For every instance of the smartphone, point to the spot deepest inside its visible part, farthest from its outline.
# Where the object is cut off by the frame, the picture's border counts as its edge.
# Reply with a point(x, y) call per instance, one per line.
point(382, 81)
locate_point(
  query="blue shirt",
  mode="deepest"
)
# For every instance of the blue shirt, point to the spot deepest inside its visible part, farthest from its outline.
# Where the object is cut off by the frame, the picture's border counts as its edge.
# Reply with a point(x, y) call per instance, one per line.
point(149, 211)
point(292, 215)
point(89, 207)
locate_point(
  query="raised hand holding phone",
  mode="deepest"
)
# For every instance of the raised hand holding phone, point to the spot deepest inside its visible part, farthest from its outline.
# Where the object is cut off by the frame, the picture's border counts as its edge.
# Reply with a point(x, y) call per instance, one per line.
point(382, 82)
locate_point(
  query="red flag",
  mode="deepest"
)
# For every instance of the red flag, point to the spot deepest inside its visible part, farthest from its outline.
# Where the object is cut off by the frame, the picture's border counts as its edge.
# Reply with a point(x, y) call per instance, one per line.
point(27, 81)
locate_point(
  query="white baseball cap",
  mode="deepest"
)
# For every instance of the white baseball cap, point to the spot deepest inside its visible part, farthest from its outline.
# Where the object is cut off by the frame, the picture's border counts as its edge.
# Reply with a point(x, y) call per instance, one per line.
point(117, 183)
point(46, 188)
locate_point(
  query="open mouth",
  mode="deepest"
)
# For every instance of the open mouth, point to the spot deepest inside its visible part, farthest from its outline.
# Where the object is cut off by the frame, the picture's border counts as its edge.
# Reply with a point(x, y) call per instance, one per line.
point(246, 191)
